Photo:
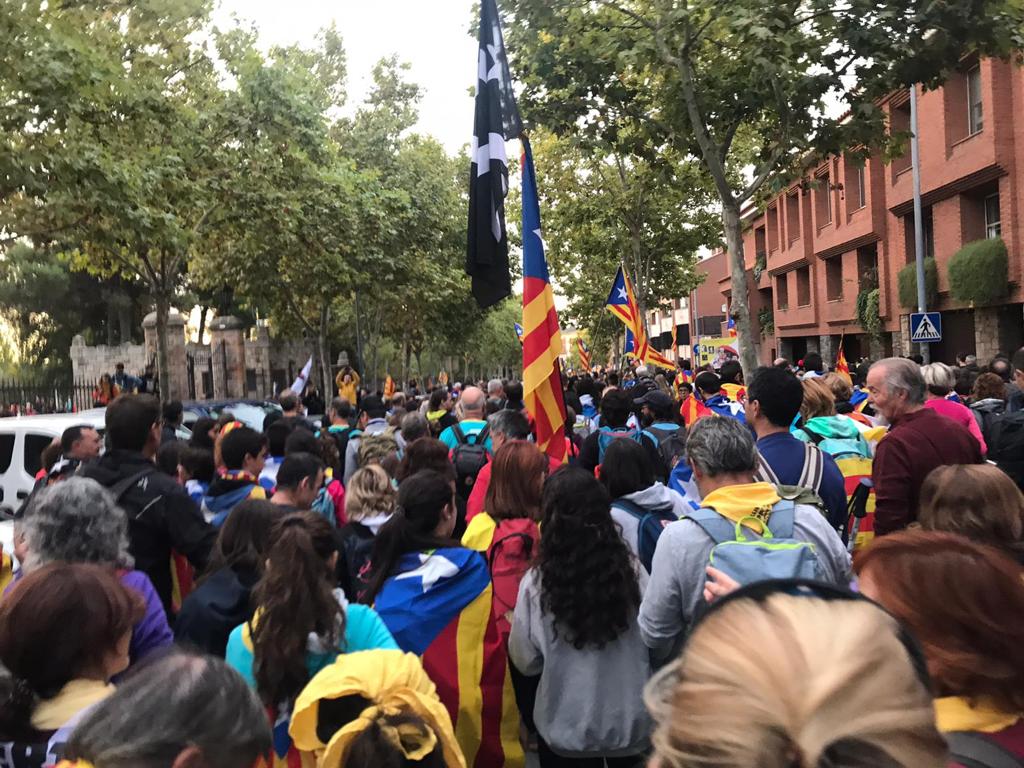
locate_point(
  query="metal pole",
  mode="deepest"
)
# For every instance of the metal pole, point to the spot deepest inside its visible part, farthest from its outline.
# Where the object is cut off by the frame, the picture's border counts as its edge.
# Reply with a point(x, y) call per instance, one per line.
point(915, 163)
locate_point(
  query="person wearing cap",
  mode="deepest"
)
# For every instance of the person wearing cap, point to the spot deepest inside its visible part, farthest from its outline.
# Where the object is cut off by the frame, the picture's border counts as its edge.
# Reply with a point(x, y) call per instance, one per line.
point(660, 428)
point(371, 707)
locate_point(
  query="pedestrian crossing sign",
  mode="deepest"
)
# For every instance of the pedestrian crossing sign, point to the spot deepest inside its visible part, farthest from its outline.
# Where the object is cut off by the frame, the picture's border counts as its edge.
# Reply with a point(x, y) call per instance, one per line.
point(925, 327)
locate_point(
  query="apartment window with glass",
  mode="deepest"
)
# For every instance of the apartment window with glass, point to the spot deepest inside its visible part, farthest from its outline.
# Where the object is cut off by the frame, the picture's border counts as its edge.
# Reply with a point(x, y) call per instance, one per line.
point(862, 192)
point(975, 114)
point(823, 200)
point(993, 227)
point(782, 291)
point(803, 286)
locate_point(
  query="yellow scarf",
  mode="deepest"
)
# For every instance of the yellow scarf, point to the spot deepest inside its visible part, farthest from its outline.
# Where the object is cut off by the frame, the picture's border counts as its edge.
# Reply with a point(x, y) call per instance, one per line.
point(954, 713)
point(743, 502)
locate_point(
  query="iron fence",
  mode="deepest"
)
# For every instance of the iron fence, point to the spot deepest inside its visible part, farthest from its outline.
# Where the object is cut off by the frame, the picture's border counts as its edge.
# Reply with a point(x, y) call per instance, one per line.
point(27, 396)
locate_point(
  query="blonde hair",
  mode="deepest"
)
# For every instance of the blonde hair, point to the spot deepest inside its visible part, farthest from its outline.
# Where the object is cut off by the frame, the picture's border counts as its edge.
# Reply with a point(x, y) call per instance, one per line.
point(794, 682)
point(818, 399)
point(939, 378)
point(839, 385)
point(369, 493)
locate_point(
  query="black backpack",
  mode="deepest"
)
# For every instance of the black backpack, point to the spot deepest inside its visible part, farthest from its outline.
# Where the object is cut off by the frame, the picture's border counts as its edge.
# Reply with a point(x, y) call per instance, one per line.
point(468, 458)
point(976, 750)
point(650, 523)
point(354, 568)
point(1005, 440)
point(671, 445)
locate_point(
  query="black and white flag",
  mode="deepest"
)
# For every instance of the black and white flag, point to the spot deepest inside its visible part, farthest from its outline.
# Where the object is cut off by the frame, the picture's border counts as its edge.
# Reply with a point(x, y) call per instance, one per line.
point(496, 121)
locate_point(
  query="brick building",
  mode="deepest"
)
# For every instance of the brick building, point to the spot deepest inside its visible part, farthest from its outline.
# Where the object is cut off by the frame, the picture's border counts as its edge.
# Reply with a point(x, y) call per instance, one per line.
point(850, 228)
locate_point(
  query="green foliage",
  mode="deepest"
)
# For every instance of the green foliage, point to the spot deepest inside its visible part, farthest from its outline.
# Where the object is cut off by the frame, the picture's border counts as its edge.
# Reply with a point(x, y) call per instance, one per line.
point(766, 319)
point(979, 272)
point(760, 264)
point(868, 311)
point(908, 284)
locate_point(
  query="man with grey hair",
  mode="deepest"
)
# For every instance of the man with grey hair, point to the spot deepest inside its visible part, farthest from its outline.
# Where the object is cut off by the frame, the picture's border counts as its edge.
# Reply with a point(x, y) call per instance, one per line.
point(414, 426)
point(722, 455)
point(919, 440)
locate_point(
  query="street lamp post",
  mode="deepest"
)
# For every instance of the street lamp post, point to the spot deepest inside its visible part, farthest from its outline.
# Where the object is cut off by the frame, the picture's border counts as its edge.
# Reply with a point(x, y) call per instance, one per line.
point(915, 162)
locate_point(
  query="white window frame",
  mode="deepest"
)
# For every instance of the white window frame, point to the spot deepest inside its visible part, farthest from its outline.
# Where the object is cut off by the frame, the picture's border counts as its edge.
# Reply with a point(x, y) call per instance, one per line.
point(975, 123)
point(993, 229)
point(862, 196)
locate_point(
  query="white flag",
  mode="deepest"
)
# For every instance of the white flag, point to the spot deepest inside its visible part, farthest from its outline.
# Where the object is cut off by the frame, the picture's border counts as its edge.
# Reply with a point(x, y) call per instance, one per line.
point(300, 383)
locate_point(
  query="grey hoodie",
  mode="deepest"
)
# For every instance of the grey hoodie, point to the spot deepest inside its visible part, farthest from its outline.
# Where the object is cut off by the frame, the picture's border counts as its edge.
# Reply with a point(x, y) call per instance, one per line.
point(590, 701)
point(658, 495)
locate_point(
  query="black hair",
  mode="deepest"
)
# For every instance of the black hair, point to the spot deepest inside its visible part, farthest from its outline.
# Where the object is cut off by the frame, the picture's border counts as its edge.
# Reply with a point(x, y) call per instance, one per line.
point(437, 398)
point(168, 456)
point(813, 362)
point(278, 433)
point(916, 358)
point(244, 539)
point(373, 407)
point(296, 467)
point(731, 372)
point(129, 420)
point(422, 498)
point(626, 469)
point(172, 412)
point(70, 435)
point(778, 392)
point(588, 578)
point(708, 381)
point(616, 405)
point(342, 408)
point(239, 443)
point(514, 392)
point(288, 401)
point(198, 462)
point(302, 441)
point(201, 432)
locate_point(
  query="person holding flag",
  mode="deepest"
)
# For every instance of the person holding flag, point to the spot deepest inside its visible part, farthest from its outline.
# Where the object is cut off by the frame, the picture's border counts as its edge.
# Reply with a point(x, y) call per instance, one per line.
point(581, 347)
point(389, 388)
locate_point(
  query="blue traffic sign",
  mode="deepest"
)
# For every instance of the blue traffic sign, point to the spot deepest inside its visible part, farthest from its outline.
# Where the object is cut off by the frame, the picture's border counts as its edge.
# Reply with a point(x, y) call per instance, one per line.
point(925, 327)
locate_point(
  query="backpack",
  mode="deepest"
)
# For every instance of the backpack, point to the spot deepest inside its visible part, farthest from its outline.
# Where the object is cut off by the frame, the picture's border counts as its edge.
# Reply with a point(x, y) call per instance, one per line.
point(376, 447)
point(976, 750)
point(356, 548)
point(1005, 440)
point(671, 445)
point(606, 435)
point(747, 557)
point(811, 474)
point(650, 523)
point(508, 559)
point(468, 458)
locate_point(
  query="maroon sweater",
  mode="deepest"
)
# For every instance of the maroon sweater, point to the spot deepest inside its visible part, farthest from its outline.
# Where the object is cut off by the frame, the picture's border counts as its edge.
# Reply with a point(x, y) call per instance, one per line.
point(916, 444)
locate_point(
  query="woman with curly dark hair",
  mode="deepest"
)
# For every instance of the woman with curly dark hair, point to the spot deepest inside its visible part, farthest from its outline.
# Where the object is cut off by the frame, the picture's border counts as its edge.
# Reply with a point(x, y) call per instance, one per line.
point(302, 621)
point(575, 626)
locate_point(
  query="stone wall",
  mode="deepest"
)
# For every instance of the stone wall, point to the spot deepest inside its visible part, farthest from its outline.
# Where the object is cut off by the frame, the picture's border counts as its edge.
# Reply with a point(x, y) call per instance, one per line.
point(89, 363)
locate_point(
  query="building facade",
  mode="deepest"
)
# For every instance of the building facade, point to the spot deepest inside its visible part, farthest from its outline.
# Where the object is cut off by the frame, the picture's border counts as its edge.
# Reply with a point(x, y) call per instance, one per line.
point(826, 251)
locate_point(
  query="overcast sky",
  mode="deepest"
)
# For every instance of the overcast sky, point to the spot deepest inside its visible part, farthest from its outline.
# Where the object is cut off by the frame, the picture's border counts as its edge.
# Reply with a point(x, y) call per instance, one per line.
point(431, 35)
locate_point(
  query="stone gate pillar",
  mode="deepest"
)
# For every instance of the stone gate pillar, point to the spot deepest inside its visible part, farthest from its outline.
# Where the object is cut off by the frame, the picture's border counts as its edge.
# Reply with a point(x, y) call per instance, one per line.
point(176, 388)
point(227, 350)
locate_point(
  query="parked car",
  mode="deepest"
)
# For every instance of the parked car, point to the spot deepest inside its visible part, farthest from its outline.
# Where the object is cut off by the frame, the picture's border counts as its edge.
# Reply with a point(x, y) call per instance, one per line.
point(249, 412)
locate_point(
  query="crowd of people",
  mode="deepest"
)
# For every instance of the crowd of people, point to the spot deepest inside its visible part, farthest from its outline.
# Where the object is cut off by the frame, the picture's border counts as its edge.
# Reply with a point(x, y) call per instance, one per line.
point(796, 568)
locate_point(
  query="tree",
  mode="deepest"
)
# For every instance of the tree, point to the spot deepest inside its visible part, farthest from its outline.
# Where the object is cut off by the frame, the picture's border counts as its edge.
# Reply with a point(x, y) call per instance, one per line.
point(600, 212)
point(757, 90)
point(125, 175)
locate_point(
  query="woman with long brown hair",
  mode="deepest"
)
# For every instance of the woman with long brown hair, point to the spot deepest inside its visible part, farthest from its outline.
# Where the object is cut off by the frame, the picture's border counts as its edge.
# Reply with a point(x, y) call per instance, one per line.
point(964, 602)
point(302, 621)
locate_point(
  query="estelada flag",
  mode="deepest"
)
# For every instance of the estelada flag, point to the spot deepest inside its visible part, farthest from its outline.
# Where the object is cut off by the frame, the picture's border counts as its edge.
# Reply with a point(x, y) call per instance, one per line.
point(389, 388)
point(693, 409)
point(621, 302)
point(438, 605)
point(731, 326)
point(581, 346)
point(542, 339)
point(442, 378)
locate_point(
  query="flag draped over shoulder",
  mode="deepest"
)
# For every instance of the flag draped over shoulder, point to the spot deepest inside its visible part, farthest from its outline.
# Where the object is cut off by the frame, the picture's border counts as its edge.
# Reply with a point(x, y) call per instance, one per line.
point(496, 120)
point(542, 340)
point(439, 606)
point(581, 346)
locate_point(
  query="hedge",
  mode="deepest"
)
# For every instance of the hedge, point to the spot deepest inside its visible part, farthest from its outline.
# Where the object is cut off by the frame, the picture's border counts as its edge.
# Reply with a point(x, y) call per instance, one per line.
point(908, 284)
point(979, 272)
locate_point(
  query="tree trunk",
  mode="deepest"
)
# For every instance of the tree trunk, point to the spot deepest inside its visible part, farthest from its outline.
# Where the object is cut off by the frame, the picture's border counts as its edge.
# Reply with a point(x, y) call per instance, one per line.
point(419, 363)
point(163, 310)
point(740, 305)
point(324, 352)
point(202, 322)
point(358, 365)
point(405, 363)
point(124, 320)
point(111, 322)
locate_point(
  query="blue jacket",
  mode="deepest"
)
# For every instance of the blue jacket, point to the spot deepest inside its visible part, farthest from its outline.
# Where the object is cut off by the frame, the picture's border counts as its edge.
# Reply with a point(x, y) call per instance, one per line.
point(785, 455)
point(723, 406)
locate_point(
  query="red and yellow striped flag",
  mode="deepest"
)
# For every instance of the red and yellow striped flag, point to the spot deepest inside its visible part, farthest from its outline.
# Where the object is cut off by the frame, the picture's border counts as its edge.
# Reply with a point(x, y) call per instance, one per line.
point(389, 388)
point(542, 340)
point(581, 346)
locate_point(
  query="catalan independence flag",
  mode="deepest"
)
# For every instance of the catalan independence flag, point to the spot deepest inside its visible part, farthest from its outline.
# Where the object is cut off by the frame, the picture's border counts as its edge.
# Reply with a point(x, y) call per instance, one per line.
point(693, 409)
point(438, 605)
point(842, 366)
point(581, 347)
point(731, 326)
point(519, 332)
point(542, 340)
point(389, 387)
point(622, 303)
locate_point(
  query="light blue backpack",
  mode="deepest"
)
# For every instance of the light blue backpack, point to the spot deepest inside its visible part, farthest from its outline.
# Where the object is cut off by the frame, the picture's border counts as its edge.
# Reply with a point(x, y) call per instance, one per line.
point(747, 557)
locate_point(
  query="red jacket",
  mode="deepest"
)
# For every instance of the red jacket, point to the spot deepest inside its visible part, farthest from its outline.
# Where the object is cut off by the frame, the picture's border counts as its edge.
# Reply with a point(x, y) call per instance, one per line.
point(475, 504)
point(916, 444)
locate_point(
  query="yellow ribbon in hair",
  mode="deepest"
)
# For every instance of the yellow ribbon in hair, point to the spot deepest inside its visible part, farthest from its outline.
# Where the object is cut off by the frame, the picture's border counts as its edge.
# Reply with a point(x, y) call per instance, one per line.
point(395, 683)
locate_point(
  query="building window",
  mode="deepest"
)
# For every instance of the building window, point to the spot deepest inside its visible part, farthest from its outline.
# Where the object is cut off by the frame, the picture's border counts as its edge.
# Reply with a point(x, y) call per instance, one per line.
point(773, 229)
point(853, 188)
point(993, 228)
point(803, 286)
point(793, 217)
point(975, 115)
point(929, 235)
point(823, 200)
point(782, 291)
point(899, 122)
point(862, 191)
point(834, 278)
